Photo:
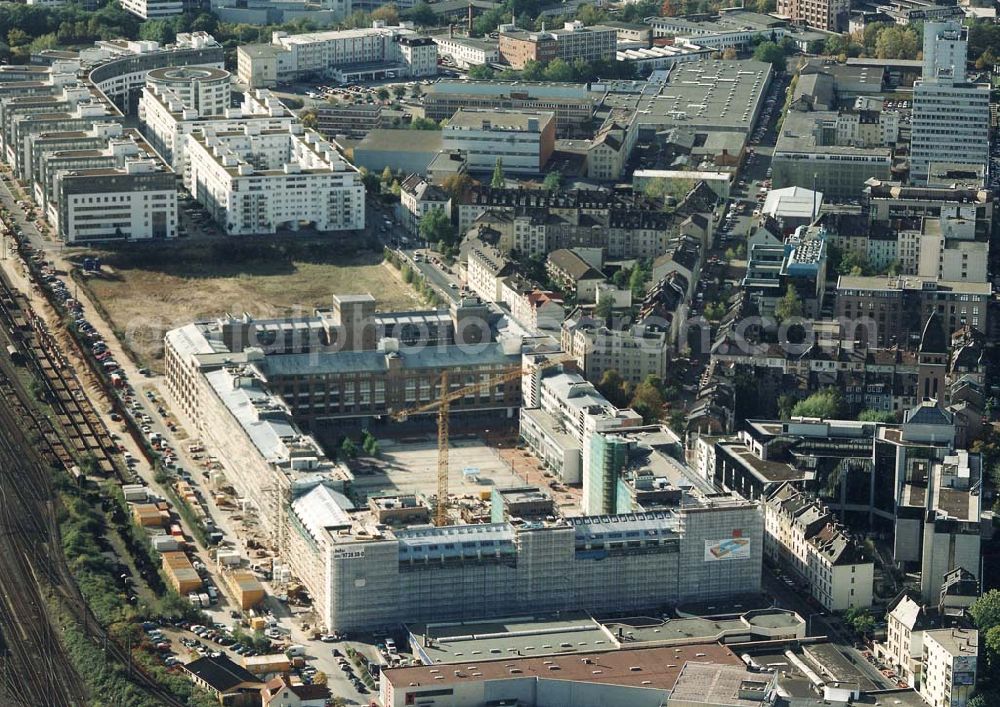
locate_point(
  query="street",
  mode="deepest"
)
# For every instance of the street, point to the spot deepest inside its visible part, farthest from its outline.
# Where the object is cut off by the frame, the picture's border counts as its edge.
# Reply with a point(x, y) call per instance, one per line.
point(821, 623)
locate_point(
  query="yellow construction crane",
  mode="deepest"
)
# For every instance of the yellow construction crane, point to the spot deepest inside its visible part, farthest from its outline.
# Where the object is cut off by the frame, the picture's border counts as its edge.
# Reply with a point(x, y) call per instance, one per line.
point(443, 404)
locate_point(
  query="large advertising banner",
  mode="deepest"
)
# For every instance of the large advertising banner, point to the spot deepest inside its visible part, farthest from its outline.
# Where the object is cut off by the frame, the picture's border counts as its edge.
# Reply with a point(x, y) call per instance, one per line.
point(728, 549)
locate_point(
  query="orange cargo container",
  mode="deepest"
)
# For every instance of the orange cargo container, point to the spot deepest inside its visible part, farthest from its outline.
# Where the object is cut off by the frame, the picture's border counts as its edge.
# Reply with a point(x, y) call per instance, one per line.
point(245, 588)
point(150, 515)
point(181, 573)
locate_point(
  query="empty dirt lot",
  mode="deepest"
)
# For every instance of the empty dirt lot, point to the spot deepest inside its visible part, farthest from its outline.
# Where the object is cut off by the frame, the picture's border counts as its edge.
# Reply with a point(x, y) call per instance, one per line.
point(149, 291)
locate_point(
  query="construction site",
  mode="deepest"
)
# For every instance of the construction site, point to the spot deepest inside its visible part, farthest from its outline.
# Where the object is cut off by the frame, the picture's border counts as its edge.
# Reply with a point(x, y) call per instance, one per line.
point(395, 518)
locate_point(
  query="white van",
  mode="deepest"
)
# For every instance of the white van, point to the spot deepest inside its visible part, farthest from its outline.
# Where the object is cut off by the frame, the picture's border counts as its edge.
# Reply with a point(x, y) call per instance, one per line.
point(295, 651)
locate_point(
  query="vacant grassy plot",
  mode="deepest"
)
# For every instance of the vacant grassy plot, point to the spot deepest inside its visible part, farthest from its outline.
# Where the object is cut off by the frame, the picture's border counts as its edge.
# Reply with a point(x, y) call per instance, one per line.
point(146, 292)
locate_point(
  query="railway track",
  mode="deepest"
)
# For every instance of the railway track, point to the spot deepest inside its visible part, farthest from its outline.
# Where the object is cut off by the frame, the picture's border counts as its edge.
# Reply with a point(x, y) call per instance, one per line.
point(38, 671)
point(35, 667)
point(83, 427)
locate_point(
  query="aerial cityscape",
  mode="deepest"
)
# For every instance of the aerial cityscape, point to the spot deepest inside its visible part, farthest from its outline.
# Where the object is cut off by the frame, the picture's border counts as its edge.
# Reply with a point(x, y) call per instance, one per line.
point(499, 353)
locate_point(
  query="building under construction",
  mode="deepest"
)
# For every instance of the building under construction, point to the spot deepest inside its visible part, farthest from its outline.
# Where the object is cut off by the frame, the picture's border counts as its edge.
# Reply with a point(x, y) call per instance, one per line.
point(363, 574)
point(247, 386)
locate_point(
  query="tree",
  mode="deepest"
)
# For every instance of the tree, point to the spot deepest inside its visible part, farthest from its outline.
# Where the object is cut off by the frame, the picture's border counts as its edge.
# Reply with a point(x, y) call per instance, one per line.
point(771, 53)
point(668, 189)
point(786, 403)
point(455, 185)
point(386, 13)
point(985, 611)
point(308, 118)
point(877, 416)
point(17, 37)
point(162, 31)
point(647, 400)
point(590, 15)
point(533, 70)
point(436, 227)
point(714, 311)
point(399, 90)
point(424, 124)
point(668, 9)
point(614, 387)
point(637, 280)
point(205, 22)
point(46, 41)
point(423, 14)
point(481, 72)
point(553, 180)
point(825, 404)
point(498, 181)
point(348, 449)
point(387, 175)
point(861, 620)
point(604, 308)
point(788, 306)
point(382, 94)
point(560, 71)
point(416, 91)
point(728, 53)
point(897, 43)
point(371, 181)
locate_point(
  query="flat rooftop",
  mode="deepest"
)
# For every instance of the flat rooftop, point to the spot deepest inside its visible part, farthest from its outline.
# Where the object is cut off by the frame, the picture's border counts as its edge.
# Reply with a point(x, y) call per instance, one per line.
point(653, 668)
point(410, 467)
point(527, 636)
point(714, 95)
point(414, 358)
point(707, 684)
point(732, 607)
point(402, 140)
point(763, 469)
point(342, 34)
point(636, 631)
point(798, 135)
point(547, 89)
point(499, 120)
point(912, 282)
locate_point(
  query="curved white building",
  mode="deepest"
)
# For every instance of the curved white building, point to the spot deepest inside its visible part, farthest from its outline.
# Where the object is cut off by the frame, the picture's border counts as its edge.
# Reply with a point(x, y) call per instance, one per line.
point(202, 88)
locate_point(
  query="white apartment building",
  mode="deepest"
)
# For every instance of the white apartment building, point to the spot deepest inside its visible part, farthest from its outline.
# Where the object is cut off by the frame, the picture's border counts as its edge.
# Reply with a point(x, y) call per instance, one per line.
point(379, 51)
point(417, 196)
point(259, 181)
point(951, 116)
point(950, 659)
point(906, 623)
point(118, 68)
point(801, 535)
point(570, 412)
point(532, 308)
point(486, 267)
point(97, 138)
point(867, 128)
point(523, 141)
point(168, 123)
point(204, 89)
point(137, 201)
point(944, 248)
point(635, 353)
point(55, 155)
point(468, 51)
point(153, 9)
